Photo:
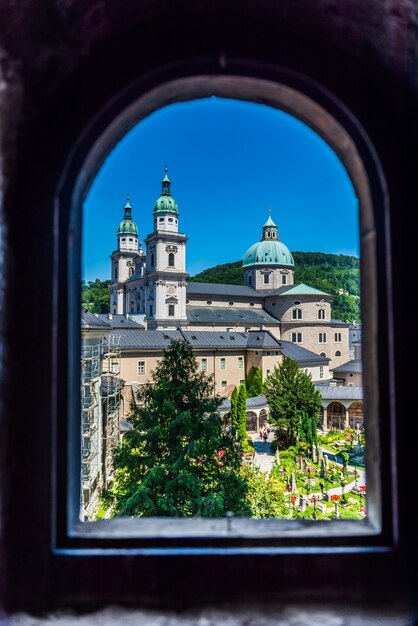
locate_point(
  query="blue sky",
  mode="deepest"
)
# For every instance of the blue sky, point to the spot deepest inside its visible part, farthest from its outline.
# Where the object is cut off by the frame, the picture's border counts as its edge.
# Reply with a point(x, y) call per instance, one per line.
point(229, 162)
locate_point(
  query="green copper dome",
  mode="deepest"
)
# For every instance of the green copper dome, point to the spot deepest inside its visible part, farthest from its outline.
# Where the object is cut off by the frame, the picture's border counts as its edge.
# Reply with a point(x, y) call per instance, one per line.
point(127, 225)
point(166, 202)
point(268, 251)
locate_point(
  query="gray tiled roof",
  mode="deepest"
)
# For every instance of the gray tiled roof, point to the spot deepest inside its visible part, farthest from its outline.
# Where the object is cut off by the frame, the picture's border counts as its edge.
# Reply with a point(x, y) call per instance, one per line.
point(92, 321)
point(215, 339)
point(229, 315)
point(256, 402)
point(160, 339)
point(147, 339)
point(302, 355)
point(119, 321)
point(221, 289)
point(262, 339)
point(351, 367)
point(340, 392)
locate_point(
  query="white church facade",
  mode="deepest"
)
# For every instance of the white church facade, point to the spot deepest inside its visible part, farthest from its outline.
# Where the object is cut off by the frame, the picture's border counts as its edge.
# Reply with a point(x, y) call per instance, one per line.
point(151, 285)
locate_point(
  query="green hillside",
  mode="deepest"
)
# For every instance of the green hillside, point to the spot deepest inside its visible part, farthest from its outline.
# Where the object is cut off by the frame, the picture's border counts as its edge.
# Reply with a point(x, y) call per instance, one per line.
point(327, 272)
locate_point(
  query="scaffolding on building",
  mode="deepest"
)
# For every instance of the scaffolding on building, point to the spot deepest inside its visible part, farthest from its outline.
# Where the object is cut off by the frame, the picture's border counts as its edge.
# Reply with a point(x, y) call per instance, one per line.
point(110, 393)
point(90, 423)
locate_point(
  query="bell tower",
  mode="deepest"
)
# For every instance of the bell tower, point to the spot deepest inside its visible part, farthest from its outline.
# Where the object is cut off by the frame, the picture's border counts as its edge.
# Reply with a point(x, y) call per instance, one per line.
point(165, 298)
point(123, 260)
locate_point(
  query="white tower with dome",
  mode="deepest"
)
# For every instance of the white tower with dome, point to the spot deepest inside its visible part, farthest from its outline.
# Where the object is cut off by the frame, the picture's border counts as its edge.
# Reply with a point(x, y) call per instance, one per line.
point(165, 276)
point(123, 260)
point(268, 264)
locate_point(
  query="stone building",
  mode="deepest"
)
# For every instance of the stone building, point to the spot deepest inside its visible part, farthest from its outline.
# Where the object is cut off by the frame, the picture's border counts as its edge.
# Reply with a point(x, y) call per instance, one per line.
point(227, 356)
point(153, 284)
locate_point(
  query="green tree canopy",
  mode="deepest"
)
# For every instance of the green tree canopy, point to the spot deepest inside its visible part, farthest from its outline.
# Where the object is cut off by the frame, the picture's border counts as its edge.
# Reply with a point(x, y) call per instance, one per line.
point(292, 398)
point(177, 460)
point(95, 295)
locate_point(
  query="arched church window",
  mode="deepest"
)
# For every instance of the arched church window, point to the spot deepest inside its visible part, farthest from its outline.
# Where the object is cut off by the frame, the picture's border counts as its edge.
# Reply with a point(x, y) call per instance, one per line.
point(171, 259)
point(249, 279)
point(321, 314)
point(266, 279)
point(284, 279)
point(152, 259)
point(297, 314)
point(322, 354)
point(161, 219)
point(338, 353)
point(170, 219)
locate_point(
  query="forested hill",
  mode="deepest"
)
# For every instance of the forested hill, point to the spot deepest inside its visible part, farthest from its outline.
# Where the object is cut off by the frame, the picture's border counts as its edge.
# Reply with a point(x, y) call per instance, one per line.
point(327, 272)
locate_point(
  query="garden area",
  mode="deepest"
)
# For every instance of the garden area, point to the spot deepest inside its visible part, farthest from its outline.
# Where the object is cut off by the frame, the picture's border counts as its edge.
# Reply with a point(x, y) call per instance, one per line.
point(315, 478)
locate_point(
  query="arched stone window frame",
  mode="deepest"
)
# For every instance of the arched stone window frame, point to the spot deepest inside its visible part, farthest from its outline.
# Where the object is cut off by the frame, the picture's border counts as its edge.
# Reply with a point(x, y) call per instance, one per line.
point(374, 177)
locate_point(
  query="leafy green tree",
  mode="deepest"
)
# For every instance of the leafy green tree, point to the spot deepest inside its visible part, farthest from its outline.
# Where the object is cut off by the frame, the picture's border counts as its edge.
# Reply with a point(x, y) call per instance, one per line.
point(95, 295)
point(177, 460)
point(265, 495)
point(254, 382)
point(291, 395)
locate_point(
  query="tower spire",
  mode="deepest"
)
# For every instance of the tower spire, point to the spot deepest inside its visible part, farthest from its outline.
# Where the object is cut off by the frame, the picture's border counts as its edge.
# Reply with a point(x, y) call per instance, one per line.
point(269, 229)
point(166, 183)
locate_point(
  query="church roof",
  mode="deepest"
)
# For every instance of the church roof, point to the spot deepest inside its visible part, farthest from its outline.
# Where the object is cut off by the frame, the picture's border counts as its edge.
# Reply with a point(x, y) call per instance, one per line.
point(268, 252)
point(302, 290)
point(166, 202)
point(127, 226)
point(221, 289)
point(229, 315)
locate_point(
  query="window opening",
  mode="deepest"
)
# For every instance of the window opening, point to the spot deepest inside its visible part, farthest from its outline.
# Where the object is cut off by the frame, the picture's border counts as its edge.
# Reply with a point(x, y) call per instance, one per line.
point(158, 291)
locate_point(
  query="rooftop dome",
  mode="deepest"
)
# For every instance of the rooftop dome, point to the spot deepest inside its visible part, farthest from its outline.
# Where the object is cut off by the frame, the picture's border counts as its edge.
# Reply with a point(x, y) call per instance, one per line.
point(127, 225)
point(166, 202)
point(268, 251)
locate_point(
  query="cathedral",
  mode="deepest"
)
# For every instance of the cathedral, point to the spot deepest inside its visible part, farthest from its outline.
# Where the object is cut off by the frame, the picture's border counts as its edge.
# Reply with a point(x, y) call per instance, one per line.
point(150, 285)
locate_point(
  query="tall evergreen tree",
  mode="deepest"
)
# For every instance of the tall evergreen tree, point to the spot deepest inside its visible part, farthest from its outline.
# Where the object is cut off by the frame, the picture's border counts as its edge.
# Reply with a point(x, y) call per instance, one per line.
point(177, 460)
point(234, 411)
point(307, 429)
point(291, 395)
point(254, 382)
point(242, 413)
